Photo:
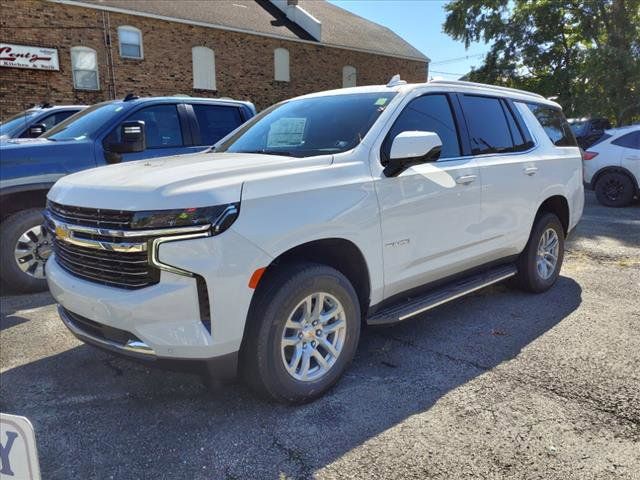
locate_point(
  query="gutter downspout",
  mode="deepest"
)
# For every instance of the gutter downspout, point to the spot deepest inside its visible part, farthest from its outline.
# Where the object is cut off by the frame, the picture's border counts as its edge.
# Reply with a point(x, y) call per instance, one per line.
point(106, 29)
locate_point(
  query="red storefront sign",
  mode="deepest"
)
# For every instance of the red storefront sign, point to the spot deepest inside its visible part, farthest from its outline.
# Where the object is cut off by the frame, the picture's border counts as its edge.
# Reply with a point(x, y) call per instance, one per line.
point(25, 56)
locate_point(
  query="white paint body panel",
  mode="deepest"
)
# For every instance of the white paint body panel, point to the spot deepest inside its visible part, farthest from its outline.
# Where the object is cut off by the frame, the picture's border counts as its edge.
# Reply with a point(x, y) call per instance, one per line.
point(418, 227)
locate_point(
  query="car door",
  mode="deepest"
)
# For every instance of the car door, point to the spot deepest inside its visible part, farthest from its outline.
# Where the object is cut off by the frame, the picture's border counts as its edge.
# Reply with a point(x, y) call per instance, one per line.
point(429, 211)
point(510, 177)
point(165, 131)
point(630, 146)
point(210, 123)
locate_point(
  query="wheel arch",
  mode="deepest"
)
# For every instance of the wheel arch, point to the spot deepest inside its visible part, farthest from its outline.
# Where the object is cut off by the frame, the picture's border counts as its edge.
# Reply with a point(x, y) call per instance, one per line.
point(13, 200)
point(615, 169)
point(339, 253)
point(559, 206)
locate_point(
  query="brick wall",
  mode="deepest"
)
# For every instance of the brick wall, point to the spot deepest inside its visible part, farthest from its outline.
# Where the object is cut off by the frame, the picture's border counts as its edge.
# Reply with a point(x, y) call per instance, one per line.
point(244, 63)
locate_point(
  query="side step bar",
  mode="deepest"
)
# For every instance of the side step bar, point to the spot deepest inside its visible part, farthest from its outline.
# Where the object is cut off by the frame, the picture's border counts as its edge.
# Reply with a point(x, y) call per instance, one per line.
point(446, 293)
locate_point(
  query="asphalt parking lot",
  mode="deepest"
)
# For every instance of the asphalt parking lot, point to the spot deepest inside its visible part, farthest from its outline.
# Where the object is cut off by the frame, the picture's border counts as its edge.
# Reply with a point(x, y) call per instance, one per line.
point(500, 384)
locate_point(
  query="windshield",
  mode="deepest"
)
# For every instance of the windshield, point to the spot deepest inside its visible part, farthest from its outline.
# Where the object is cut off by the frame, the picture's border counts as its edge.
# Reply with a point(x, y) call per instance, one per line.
point(85, 123)
point(16, 123)
point(310, 126)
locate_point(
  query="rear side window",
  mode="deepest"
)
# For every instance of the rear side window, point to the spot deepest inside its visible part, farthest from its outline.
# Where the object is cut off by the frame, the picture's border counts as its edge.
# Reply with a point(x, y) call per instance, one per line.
point(489, 129)
point(216, 121)
point(430, 113)
point(630, 140)
point(554, 124)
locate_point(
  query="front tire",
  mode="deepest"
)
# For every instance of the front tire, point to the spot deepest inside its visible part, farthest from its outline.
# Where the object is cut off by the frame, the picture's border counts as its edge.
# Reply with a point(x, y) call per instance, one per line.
point(24, 249)
point(614, 189)
point(540, 262)
point(303, 332)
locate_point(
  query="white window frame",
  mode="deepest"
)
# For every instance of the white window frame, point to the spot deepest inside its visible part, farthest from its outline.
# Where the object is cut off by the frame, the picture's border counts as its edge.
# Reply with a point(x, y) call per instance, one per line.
point(212, 86)
point(347, 72)
point(281, 65)
point(81, 48)
point(129, 28)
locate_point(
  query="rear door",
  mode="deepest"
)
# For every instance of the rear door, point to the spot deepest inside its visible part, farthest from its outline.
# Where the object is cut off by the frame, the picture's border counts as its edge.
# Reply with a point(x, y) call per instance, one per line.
point(209, 123)
point(509, 173)
point(630, 144)
point(429, 212)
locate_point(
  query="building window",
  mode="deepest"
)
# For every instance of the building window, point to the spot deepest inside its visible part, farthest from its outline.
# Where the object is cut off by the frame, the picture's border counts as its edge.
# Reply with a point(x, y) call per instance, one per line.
point(84, 64)
point(349, 75)
point(130, 39)
point(204, 68)
point(281, 64)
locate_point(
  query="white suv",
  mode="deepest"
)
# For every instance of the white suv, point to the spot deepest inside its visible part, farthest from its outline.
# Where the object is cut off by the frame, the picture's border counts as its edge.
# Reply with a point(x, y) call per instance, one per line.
point(612, 166)
point(322, 214)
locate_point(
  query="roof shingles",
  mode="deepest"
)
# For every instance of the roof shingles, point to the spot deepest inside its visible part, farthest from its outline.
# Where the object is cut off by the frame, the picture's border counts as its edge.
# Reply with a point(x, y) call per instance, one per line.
point(339, 27)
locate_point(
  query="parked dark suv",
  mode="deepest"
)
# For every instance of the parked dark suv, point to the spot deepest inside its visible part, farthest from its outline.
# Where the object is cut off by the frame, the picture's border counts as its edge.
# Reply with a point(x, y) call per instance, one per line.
point(110, 132)
point(588, 130)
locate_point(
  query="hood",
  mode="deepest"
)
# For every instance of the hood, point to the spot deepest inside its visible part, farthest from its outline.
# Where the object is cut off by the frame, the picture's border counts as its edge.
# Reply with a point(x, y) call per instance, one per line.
point(22, 142)
point(197, 180)
point(25, 157)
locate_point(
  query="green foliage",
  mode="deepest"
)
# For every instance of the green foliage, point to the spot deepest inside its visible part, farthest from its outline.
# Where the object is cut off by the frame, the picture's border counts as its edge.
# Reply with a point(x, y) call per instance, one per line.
point(584, 52)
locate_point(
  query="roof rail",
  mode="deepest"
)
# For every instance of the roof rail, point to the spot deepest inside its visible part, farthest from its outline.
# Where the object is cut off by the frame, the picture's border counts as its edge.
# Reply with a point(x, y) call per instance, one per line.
point(486, 86)
point(395, 81)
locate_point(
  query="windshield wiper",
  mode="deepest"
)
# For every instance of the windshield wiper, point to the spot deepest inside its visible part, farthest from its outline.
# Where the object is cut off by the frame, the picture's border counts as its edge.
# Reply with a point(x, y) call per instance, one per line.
point(264, 151)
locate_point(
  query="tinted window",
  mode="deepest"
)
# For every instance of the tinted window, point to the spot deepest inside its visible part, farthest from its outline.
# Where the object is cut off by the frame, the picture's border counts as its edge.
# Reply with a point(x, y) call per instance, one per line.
point(310, 126)
point(554, 124)
point(161, 124)
point(216, 121)
point(430, 113)
point(630, 140)
point(52, 120)
point(601, 139)
point(488, 127)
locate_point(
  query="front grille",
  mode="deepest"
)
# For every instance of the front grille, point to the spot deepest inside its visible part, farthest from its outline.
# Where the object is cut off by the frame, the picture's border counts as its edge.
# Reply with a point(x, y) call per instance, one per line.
point(128, 270)
point(107, 266)
point(91, 217)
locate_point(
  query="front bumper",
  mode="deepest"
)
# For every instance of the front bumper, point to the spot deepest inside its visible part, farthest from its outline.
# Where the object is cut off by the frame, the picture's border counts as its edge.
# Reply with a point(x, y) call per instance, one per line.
point(164, 319)
point(119, 342)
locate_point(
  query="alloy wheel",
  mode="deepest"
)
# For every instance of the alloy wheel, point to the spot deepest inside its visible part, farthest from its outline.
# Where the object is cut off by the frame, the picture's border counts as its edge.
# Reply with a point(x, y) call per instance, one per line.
point(32, 250)
point(313, 337)
point(548, 250)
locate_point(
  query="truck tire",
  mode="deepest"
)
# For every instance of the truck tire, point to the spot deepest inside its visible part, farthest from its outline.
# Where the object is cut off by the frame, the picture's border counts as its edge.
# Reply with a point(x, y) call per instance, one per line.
point(303, 332)
point(540, 262)
point(614, 189)
point(24, 249)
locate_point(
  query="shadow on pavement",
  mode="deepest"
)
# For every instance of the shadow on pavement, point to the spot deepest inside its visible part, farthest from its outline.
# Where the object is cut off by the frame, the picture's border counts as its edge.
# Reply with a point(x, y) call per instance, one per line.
point(97, 416)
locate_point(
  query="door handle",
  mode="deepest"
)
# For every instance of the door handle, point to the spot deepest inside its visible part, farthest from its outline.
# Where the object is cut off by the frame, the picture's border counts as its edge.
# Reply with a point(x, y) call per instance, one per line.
point(466, 179)
point(530, 170)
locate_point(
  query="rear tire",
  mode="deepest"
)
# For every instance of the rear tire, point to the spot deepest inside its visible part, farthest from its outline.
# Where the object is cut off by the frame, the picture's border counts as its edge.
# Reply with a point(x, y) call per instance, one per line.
point(614, 189)
point(281, 335)
point(540, 262)
point(22, 240)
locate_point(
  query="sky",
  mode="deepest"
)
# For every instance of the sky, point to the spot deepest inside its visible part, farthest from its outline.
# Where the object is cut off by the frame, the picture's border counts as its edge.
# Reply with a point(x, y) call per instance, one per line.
point(420, 22)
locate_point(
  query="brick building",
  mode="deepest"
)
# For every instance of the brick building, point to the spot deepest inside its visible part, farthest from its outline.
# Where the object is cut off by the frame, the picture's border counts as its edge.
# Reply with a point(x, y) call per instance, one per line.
point(258, 50)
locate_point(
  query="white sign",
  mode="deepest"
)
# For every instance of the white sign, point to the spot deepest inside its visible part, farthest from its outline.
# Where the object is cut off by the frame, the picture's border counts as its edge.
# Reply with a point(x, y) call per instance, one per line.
point(18, 453)
point(24, 56)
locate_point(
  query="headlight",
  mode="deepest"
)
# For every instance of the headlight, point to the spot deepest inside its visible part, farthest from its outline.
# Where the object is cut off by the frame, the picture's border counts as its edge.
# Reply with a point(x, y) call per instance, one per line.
point(219, 217)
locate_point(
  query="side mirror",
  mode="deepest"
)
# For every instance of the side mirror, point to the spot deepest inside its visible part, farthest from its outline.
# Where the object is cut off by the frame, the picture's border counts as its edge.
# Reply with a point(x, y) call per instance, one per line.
point(36, 130)
point(412, 148)
point(133, 138)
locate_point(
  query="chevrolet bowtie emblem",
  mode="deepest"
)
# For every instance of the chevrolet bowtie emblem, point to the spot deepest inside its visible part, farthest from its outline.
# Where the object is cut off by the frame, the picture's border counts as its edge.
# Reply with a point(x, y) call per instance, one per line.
point(62, 233)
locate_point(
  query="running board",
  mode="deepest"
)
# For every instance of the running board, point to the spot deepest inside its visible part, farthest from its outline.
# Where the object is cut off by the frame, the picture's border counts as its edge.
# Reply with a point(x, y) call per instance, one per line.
point(443, 294)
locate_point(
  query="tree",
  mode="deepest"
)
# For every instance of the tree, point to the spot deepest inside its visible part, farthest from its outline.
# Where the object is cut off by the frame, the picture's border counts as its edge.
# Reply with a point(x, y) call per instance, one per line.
point(586, 53)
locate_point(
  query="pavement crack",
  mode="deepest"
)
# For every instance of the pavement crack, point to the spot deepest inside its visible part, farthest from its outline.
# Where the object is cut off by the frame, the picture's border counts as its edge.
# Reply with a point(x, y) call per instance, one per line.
point(294, 456)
